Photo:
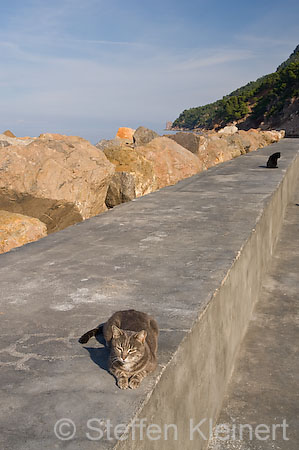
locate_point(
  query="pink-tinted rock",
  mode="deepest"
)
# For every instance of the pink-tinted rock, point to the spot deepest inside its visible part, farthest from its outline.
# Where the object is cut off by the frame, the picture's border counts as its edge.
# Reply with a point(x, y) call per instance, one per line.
point(59, 180)
point(170, 161)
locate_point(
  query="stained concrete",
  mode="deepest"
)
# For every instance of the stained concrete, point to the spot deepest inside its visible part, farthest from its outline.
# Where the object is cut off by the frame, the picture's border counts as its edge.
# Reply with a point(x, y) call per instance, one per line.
point(265, 385)
point(192, 255)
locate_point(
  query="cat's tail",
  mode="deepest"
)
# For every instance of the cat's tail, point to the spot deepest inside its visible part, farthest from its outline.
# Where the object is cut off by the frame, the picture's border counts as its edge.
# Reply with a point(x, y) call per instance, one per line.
point(91, 333)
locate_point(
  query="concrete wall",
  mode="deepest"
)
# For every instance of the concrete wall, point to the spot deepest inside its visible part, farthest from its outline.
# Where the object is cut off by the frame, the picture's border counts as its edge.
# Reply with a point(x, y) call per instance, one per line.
point(191, 389)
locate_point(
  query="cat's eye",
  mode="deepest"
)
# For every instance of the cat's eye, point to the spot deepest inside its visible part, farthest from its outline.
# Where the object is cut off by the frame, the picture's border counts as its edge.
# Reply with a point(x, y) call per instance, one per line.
point(119, 348)
point(131, 350)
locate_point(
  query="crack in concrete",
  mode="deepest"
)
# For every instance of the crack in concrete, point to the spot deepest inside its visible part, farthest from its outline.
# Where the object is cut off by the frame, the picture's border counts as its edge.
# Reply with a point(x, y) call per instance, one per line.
point(23, 358)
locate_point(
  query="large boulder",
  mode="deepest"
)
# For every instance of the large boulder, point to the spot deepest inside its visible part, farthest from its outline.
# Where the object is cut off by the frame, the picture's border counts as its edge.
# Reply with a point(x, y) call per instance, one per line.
point(17, 230)
point(125, 158)
point(234, 145)
point(161, 162)
point(214, 150)
point(4, 143)
point(6, 140)
point(170, 161)
point(8, 133)
point(229, 129)
point(191, 141)
point(121, 189)
point(60, 180)
point(143, 136)
point(209, 148)
point(104, 144)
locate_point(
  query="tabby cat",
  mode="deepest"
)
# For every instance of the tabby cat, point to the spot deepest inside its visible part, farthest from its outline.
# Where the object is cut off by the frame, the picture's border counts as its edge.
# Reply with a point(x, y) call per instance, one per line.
point(132, 337)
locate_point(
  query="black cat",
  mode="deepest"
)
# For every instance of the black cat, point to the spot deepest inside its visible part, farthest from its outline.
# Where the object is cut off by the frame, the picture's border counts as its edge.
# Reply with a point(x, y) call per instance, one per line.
point(272, 161)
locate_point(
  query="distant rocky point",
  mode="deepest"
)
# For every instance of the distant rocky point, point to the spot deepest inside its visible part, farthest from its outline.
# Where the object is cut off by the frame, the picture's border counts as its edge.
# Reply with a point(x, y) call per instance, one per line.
point(52, 181)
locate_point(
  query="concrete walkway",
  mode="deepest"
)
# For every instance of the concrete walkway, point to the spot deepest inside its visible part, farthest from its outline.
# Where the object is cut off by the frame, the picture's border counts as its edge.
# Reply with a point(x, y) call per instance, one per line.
point(265, 385)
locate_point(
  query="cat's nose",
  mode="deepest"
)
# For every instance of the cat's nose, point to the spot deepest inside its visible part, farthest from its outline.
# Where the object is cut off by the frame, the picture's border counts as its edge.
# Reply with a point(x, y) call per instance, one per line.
point(124, 356)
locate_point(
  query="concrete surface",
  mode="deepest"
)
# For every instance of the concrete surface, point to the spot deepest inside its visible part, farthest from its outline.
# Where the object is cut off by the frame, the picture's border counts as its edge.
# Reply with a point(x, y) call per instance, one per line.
point(193, 255)
point(264, 388)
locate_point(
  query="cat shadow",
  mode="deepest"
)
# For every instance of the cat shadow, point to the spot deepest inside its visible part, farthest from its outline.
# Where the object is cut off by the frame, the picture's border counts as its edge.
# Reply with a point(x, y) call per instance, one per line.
point(265, 167)
point(99, 355)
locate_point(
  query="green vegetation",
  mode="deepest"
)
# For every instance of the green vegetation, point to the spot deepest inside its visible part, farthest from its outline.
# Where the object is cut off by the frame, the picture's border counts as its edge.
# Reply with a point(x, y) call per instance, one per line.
point(257, 100)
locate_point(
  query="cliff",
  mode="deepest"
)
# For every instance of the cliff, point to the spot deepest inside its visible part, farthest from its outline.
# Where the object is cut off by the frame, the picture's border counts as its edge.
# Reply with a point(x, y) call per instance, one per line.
point(269, 102)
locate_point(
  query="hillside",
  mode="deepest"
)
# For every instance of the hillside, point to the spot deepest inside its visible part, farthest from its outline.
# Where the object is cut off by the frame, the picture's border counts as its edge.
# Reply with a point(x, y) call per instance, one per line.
point(270, 101)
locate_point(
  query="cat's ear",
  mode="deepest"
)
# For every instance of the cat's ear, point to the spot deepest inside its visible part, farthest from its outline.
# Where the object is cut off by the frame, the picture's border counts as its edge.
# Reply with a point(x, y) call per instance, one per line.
point(140, 336)
point(116, 332)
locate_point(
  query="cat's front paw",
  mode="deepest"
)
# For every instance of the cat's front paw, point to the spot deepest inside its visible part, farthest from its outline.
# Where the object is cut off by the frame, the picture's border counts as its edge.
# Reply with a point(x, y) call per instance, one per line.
point(134, 383)
point(123, 383)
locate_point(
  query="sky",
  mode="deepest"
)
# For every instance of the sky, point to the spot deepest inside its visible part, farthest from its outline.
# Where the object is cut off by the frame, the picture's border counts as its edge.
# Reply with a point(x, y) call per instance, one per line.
point(88, 67)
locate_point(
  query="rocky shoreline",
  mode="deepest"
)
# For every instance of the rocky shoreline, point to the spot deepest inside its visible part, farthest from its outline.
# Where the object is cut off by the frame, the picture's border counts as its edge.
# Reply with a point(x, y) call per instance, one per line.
point(54, 181)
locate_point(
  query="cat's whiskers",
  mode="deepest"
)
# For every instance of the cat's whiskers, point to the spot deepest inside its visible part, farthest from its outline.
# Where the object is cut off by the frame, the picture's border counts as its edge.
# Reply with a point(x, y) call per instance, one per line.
point(114, 358)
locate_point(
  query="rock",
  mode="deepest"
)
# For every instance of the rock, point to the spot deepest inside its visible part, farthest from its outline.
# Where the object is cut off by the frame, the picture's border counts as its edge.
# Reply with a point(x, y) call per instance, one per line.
point(235, 145)
point(121, 189)
point(281, 133)
point(5, 140)
point(60, 181)
point(273, 135)
point(26, 138)
point(9, 134)
point(252, 139)
point(258, 139)
point(4, 144)
point(128, 159)
point(17, 230)
point(113, 143)
point(125, 133)
point(218, 149)
point(213, 148)
point(190, 141)
point(230, 129)
point(161, 162)
point(55, 136)
point(170, 161)
point(143, 136)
